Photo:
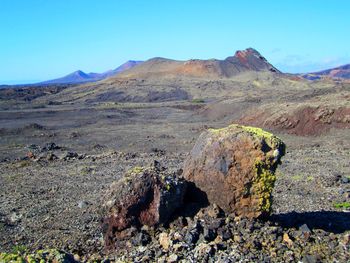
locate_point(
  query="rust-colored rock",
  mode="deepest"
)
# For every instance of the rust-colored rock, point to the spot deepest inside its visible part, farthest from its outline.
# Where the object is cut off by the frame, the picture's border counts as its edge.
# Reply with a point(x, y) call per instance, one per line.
point(142, 197)
point(303, 121)
point(235, 167)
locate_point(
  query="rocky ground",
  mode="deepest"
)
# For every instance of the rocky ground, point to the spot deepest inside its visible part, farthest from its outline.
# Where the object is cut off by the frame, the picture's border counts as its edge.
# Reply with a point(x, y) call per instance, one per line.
point(50, 194)
point(48, 202)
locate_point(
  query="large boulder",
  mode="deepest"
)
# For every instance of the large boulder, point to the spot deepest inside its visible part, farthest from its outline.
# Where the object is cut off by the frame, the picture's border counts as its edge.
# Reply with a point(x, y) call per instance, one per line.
point(235, 167)
point(144, 196)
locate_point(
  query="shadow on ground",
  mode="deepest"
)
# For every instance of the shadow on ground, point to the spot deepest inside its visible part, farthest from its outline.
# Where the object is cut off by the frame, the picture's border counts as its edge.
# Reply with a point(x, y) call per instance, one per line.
point(330, 221)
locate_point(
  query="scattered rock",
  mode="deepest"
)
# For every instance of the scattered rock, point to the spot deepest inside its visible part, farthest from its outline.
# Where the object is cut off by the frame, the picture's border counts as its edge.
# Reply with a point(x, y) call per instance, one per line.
point(173, 258)
point(309, 259)
point(82, 204)
point(70, 155)
point(165, 241)
point(145, 196)
point(287, 240)
point(35, 126)
point(30, 155)
point(235, 167)
point(51, 157)
point(50, 147)
point(345, 180)
point(305, 232)
point(203, 251)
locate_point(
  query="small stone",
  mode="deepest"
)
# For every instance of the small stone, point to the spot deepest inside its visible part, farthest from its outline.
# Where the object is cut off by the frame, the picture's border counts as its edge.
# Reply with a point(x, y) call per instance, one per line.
point(346, 239)
point(82, 204)
point(172, 258)
point(164, 240)
point(237, 238)
point(143, 238)
point(14, 218)
point(142, 249)
point(209, 234)
point(309, 259)
point(51, 157)
point(305, 231)
point(203, 251)
point(177, 236)
point(213, 211)
point(30, 155)
point(178, 246)
point(224, 233)
point(287, 240)
point(76, 257)
point(345, 180)
point(191, 237)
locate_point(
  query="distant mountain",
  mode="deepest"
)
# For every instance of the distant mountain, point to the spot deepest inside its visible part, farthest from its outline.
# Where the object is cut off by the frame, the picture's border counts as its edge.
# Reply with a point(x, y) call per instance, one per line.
point(82, 77)
point(342, 72)
point(244, 60)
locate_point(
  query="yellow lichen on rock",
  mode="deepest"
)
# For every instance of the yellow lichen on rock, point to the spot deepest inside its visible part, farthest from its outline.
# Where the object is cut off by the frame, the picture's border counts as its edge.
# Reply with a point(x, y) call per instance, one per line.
point(235, 166)
point(40, 256)
point(264, 183)
point(136, 170)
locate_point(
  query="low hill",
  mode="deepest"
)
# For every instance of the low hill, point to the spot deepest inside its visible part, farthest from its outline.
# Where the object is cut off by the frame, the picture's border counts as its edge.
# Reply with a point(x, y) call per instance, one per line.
point(82, 77)
point(242, 61)
point(341, 72)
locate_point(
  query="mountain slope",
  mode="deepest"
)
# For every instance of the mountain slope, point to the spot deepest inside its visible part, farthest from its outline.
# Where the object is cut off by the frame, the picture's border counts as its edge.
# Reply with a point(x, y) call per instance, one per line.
point(75, 77)
point(82, 77)
point(242, 61)
point(342, 72)
point(160, 79)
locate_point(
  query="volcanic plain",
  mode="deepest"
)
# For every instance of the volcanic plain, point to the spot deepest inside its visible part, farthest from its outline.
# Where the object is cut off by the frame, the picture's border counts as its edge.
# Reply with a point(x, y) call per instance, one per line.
point(62, 146)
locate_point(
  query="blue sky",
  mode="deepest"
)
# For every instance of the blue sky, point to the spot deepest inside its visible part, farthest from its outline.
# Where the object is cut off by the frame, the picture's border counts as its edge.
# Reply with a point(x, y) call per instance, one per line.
point(45, 39)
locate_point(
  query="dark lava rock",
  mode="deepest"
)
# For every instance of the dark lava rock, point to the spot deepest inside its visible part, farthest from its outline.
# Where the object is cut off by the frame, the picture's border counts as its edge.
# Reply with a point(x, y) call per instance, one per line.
point(70, 155)
point(191, 237)
point(144, 196)
point(209, 234)
point(50, 147)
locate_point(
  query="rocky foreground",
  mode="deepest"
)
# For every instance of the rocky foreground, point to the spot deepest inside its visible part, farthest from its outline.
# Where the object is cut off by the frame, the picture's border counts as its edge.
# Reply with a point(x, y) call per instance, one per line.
point(173, 222)
point(213, 236)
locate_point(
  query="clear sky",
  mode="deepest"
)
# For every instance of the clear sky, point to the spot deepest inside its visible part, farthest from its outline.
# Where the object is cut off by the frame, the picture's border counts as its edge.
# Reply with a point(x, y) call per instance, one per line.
point(45, 39)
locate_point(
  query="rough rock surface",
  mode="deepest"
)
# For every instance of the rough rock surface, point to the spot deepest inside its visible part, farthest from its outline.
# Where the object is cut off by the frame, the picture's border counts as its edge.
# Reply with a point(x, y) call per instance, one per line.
point(145, 196)
point(235, 167)
point(303, 121)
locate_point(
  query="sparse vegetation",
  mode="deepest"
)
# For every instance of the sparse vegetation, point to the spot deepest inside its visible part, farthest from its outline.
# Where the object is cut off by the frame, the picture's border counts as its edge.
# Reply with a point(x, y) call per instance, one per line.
point(40, 256)
point(198, 101)
point(297, 177)
point(344, 205)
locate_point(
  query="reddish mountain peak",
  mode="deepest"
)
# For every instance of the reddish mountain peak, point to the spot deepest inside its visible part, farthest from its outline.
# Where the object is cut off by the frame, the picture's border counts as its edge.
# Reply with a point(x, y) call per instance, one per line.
point(251, 60)
point(248, 51)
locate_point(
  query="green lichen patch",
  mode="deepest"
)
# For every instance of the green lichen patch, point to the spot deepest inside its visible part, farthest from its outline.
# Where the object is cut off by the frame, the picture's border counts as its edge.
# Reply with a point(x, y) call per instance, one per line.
point(198, 101)
point(345, 205)
point(136, 170)
point(257, 132)
point(40, 256)
point(264, 183)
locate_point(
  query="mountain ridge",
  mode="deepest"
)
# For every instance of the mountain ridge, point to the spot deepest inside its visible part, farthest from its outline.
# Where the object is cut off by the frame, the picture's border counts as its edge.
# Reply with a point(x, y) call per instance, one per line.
point(80, 76)
point(340, 72)
point(243, 60)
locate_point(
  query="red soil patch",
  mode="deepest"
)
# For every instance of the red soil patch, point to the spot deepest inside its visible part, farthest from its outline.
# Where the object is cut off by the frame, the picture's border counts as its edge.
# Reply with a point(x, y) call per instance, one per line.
point(306, 121)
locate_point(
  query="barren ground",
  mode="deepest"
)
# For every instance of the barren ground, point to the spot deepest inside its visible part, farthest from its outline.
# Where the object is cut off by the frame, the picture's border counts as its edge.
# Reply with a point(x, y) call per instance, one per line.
point(55, 203)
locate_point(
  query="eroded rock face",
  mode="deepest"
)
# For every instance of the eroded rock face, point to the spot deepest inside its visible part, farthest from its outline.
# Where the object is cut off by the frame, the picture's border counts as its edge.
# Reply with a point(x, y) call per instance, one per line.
point(235, 167)
point(144, 196)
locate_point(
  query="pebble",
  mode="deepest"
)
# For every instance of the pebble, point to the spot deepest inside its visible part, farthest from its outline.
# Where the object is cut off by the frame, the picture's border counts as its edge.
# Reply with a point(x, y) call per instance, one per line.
point(164, 241)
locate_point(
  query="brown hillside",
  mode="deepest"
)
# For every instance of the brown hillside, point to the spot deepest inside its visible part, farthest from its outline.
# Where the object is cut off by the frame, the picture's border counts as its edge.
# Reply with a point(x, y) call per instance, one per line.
point(242, 61)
